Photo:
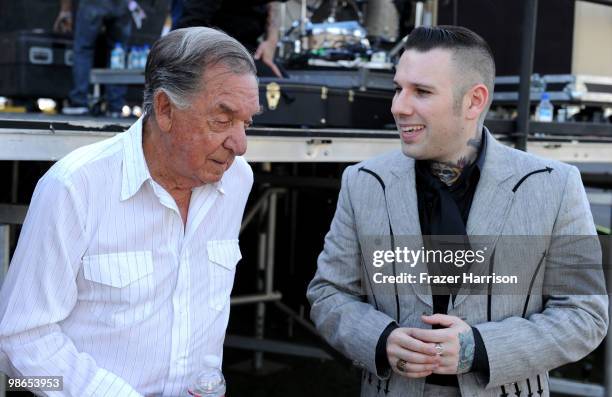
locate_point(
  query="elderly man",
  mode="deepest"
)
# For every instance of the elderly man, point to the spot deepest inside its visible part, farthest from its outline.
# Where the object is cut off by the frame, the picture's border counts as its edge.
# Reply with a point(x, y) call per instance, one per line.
point(452, 178)
point(122, 275)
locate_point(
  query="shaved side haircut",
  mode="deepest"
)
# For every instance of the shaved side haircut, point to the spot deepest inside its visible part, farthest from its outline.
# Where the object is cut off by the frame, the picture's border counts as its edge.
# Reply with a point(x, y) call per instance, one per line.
point(472, 57)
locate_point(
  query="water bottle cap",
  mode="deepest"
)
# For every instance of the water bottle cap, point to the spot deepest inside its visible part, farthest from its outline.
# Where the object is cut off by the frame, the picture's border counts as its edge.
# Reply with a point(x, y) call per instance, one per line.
point(213, 361)
point(117, 45)
point(545, 96)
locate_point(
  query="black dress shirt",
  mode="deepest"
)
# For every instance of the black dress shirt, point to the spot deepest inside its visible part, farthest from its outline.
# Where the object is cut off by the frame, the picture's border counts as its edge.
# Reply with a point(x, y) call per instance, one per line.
point(443, 210)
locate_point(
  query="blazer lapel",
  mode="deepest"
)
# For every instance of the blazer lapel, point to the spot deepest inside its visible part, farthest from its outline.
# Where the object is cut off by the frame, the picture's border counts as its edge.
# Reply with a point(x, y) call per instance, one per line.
point(492, 200)
point(493, 194)
point(404, 212)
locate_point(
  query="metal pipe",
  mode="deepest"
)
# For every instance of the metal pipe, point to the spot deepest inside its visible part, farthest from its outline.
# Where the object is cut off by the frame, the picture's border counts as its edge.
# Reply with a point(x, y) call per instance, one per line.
point(270, 249)
point(4, 251)
point(292, 229)
point(13, 214)
point(398, 47)
point(14, 196)
point(608, 348)
point(418, 14)
point(15, 182)
point(311, 328)
point(434, 13)
point(258, 206)
point(303, 17)
point(255, 298)
point(568, 387)
point(254, 210)
point(530, 18)
point(260, 310)
point(297, 318)
point(275, 346)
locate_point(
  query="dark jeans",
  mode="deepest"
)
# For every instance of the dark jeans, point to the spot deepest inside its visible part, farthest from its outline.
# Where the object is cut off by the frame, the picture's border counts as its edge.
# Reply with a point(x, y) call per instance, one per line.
point(91, 17)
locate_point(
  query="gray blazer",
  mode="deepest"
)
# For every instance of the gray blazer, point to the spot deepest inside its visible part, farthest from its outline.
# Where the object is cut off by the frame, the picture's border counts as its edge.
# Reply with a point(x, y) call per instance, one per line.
point(524, 338)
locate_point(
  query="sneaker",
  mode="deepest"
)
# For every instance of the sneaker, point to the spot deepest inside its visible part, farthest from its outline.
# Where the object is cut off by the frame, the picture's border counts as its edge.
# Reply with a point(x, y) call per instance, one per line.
point(71, 110)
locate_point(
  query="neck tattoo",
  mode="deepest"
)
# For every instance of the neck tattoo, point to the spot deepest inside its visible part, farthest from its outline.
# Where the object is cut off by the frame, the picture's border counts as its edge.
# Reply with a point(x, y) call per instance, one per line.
point(449, 172)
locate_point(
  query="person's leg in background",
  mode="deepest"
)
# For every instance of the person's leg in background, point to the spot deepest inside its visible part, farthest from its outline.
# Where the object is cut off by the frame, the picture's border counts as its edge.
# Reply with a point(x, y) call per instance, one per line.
point(88, 22)
point(118, 30)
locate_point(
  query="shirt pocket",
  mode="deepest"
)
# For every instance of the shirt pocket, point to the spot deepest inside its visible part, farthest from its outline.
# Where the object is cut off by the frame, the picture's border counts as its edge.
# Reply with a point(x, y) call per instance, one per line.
point(223, 256)
point(121, 286)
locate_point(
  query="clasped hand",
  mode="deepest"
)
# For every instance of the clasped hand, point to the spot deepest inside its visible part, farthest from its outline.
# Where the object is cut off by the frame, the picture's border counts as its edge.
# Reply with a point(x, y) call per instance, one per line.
point(416, 352)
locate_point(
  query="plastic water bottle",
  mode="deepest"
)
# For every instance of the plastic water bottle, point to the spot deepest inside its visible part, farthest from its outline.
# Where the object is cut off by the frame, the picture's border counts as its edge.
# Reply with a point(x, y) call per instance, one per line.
point(144, 55)
point(545, 109)
point(117, 57)
point(133, 61)
point(209, 382)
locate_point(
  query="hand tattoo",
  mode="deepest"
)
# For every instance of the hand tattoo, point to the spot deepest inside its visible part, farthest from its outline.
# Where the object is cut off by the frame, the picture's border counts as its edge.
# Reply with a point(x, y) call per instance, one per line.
point(466, 351)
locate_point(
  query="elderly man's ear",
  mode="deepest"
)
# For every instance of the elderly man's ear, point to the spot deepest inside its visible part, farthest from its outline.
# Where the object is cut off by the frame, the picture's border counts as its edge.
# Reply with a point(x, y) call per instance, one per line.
point(163, 111)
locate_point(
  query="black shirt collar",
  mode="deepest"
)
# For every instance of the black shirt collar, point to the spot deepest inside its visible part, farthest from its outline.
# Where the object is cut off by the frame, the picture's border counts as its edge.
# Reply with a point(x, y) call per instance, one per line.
point(482, 152)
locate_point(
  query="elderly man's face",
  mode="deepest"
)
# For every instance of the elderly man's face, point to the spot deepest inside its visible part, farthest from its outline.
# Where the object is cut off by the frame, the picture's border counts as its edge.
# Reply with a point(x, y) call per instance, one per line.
point(430, 126)
point(206, 137)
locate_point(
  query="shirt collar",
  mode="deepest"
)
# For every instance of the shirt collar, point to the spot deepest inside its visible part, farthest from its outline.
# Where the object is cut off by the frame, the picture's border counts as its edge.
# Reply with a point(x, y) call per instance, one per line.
point(135, 170)
point(482, 152)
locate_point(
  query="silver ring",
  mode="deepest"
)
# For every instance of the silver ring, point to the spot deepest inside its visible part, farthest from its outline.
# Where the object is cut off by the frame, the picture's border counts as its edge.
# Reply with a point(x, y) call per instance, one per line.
point(439, 349)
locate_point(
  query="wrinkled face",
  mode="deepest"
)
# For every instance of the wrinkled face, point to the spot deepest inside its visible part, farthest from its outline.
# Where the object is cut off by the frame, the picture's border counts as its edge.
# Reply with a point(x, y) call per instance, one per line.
point(430, 126)
point(207, 136)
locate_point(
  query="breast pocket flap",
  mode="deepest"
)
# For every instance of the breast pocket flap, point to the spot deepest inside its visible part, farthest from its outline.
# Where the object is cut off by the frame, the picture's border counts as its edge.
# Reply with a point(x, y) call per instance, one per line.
point(118, 269)
point(225, 253)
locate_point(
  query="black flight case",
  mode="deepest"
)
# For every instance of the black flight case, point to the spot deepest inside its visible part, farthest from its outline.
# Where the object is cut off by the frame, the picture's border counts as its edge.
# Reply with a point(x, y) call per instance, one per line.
point(35, 64)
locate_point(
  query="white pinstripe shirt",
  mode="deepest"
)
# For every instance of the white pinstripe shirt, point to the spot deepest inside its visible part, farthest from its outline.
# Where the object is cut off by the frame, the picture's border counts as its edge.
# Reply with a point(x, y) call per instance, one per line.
point(108, 288)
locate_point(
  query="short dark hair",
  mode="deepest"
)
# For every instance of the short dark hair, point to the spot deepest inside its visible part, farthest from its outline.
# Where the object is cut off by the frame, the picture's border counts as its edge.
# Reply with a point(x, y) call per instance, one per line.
point(470, 51)
point(425, 38)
